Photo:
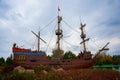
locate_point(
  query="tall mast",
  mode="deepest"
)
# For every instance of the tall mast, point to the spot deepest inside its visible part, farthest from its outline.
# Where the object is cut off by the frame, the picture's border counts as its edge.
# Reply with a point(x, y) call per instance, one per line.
point(57, 52)
point(59, 32)
point(38, 42)
point(83, 36)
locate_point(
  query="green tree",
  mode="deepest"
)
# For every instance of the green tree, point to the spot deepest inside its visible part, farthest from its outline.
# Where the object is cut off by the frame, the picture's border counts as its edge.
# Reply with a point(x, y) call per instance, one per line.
point(57, 54)
point(9, 60)
point(104, 59)
point(69, 55)
point(2, 61)
point(116, 59)
point(49, 56)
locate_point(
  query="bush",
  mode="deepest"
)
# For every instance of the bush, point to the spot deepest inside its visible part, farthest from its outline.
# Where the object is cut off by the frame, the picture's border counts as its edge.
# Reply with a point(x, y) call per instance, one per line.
point(8, 69)
point(18, 76)
point(69, 55)
point(41, 68)
point(53, 76)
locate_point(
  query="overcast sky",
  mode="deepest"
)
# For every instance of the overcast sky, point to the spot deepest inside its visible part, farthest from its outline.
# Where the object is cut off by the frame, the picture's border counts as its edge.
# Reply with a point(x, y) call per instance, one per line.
point(19, 17)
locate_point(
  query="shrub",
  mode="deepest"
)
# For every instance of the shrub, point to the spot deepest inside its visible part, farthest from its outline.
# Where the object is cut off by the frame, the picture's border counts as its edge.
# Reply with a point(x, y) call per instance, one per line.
point(18, 76)
point(41, 68)
point(53, 76)
point(8, 69)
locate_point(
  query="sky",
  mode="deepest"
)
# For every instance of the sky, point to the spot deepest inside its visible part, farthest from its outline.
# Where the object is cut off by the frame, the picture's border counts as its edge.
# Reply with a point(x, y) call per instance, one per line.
point(19, 17)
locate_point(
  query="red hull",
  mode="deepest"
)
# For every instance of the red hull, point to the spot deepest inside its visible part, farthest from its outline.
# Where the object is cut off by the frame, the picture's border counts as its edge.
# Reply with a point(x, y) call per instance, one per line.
point(26, 58)
point(74, 63)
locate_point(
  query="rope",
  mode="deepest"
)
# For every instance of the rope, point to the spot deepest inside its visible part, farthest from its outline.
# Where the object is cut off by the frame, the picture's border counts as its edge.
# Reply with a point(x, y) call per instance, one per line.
point(51, 38)
point(77, 32)
point(34, 44)
point(48, 24)
point(94, 42)
point(67, 42)
point(70, 26)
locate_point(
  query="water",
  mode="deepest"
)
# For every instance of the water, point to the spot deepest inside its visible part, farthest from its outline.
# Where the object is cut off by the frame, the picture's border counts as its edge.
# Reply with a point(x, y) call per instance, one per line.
point(117, 69)
point(113, 67)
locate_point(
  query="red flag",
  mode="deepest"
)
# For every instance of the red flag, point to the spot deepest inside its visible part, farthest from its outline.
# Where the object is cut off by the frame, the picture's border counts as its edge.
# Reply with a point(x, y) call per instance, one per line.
point(58, 8)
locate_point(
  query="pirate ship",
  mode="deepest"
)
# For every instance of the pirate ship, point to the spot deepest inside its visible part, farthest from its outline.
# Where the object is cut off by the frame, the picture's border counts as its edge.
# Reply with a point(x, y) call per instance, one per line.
point(29, 58)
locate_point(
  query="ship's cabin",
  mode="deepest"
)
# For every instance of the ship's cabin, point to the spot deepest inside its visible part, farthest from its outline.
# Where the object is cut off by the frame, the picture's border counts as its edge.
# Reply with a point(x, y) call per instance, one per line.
point(86, 55)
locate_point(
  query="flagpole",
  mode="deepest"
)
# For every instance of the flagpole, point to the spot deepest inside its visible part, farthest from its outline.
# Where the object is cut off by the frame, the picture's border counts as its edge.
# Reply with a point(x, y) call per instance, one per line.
point(58, 10)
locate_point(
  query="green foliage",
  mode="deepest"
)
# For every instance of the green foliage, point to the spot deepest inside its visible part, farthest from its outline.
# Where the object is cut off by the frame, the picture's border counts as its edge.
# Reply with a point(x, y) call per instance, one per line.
point(53, 76)
point(116, 59)
point(69, 55)
point(18, 76)
point(41, 68)
point(104, 59)
point(2, 61)
point(9, 60)
point(57, 53)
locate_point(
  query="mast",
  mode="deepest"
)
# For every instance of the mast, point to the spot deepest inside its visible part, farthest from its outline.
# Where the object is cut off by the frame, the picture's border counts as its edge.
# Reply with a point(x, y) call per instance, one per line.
point(39, 38)
point(83, 36)
point(59, 32)
point(38, 42)
point(102, 49)
point(58, 52)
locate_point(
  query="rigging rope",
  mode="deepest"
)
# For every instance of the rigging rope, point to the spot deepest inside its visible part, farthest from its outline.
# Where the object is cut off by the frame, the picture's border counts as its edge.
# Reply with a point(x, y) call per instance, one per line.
point(94, 42)
point(34, 43)
point(67, 42)
point(78, 32)
point(73, 46)
point(51, 37)
point(70, 26)
point(48, 24)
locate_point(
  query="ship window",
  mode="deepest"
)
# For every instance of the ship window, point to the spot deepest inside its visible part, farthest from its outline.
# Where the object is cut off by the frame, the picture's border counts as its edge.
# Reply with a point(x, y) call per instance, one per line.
point(21, 57)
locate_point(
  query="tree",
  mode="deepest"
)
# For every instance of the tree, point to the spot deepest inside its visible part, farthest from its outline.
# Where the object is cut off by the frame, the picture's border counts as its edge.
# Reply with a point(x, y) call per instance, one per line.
point(2, 61)
point(104, 59)
point(69, 55)
point(49, 56)
point(116, 59)
point(9, 60)
point(57, 54)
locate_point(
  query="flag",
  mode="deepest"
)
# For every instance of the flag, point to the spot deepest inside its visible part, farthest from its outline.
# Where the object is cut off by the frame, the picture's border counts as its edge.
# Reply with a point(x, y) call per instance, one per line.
point(58, 8)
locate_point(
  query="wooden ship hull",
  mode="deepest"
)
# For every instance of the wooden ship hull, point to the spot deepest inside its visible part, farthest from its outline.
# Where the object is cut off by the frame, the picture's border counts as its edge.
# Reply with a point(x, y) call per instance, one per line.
point(74, 64)
point(31, 59)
